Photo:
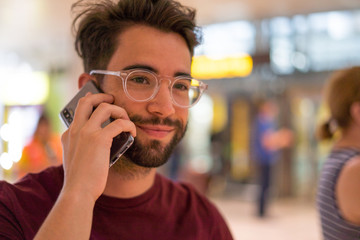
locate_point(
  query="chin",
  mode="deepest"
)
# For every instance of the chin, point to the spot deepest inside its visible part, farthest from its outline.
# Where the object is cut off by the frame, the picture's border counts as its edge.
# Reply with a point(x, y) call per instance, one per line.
point(153, 154)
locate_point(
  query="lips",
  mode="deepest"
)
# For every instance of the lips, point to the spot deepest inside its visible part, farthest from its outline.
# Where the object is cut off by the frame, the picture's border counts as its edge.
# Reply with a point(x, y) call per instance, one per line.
point(156, 131)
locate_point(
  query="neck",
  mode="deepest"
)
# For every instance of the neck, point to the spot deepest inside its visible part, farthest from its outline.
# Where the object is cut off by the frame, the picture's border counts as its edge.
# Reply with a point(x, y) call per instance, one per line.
point(350, 138)
point(123, 183)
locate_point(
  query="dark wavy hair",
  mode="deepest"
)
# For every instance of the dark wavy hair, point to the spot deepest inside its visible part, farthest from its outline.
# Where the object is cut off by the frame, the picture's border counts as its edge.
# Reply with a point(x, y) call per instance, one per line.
point(98, 24)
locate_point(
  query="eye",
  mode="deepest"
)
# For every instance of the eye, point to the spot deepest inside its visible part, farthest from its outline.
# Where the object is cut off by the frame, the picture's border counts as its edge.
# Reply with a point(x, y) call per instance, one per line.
point(138, 79)
point(183, 86)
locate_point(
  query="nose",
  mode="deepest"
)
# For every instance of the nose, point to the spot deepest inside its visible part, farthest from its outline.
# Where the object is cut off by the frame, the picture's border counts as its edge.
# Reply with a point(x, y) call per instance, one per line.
point(162, 104)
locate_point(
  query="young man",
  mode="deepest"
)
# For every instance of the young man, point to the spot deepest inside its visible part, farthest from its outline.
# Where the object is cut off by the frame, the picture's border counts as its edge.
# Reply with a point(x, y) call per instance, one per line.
point(139, 52)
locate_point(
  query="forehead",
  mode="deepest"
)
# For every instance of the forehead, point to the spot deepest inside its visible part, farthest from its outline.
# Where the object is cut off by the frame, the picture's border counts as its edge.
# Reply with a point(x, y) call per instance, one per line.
point(143, 45)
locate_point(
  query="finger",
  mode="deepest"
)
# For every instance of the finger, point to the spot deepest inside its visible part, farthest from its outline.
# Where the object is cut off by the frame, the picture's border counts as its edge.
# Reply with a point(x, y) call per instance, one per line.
point(118, 126)
point(104, 111)
point(87, 104)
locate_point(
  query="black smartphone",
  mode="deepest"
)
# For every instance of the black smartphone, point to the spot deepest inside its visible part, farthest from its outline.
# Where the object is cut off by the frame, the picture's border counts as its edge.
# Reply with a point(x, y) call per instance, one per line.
point(120, 143)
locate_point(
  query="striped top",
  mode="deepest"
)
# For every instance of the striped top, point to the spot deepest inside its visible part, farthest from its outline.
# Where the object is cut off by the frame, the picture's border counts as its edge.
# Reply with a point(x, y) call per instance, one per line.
point(334, 227)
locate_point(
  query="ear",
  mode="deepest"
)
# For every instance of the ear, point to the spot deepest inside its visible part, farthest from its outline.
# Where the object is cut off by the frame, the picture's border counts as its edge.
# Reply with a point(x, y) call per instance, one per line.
point(83, 79)
point(355, 112)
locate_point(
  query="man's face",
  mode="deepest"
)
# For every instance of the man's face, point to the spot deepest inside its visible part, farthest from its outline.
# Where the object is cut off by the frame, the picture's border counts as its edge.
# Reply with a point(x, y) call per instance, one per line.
point(160, 124)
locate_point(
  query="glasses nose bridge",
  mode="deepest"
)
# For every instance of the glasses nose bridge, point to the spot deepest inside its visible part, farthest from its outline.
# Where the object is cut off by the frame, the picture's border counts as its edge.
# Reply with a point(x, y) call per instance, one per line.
point(159, 81)
point(161, 78)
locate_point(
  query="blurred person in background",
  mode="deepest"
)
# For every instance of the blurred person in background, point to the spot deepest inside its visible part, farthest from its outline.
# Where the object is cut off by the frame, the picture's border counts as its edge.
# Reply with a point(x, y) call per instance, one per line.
point(139, 48)
point(338, 196)
point(43, 150)
point(266, 143)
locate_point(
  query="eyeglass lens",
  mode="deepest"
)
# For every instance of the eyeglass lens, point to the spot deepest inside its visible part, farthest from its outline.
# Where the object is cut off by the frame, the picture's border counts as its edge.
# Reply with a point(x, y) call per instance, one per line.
point(142, 86)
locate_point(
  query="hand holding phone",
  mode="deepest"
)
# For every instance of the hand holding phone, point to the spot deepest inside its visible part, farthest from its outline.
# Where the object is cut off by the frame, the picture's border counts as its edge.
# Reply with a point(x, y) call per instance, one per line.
point(121, 142)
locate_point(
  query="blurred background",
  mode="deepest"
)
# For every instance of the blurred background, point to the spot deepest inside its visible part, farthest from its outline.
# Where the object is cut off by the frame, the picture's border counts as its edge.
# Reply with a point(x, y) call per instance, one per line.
point(278, 52)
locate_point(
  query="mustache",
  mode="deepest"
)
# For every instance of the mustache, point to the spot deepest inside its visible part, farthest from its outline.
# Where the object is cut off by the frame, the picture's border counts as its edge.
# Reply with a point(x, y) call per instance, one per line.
point(137, 119)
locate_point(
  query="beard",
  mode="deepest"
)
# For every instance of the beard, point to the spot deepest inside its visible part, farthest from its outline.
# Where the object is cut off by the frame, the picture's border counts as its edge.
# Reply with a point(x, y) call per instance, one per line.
point(154, 154)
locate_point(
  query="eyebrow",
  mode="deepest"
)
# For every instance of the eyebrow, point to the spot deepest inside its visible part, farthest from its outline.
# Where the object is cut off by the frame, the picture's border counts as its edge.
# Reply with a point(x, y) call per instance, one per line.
point(149, 68)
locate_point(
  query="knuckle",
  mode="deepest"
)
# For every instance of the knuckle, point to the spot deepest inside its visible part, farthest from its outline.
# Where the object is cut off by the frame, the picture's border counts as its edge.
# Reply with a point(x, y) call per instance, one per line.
point(104, 107)
point(72, 132)
point(64, 136)
point(83, 100)
point(120, 124)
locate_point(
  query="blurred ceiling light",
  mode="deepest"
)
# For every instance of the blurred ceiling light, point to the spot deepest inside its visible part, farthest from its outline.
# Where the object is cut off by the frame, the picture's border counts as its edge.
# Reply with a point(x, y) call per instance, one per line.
point(340, 25)
point(281, 26)
point(24, 88)
point(226, 39)
point(5, 132)
point(15, 151)
point(300, 61)
point(300, 24)
point(5, 161)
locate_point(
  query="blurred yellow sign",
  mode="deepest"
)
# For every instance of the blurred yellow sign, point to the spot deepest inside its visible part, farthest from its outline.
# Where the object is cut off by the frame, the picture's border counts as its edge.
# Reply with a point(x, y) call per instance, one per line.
point(207, 68)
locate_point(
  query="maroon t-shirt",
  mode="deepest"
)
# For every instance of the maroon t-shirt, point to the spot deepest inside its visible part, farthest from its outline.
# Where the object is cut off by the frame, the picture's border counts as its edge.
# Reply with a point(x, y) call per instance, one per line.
point(167, 210)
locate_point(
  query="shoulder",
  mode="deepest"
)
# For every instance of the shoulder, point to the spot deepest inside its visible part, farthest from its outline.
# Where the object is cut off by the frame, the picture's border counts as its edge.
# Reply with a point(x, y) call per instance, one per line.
point(25, 204)
point(337, 160)
point(348, 190)
point(49, 178)
point(47, 182)
point(350, 172)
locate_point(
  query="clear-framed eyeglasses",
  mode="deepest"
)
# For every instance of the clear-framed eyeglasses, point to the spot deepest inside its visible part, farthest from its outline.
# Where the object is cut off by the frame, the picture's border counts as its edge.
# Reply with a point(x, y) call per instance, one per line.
point(142, 85)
